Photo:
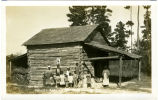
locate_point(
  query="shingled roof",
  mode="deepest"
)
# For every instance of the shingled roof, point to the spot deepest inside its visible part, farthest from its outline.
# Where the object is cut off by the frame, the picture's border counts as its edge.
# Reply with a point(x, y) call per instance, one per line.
point(61, 35)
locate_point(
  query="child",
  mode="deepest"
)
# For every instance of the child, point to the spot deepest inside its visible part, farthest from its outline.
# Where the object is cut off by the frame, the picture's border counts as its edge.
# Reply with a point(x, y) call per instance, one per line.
point(62, 79)
point(84, 81)
point(52, 80)
point(88, 80)
point(93, 82)
point(66, 81)
point(68, 71)
point(57, 80)
point(70, 79)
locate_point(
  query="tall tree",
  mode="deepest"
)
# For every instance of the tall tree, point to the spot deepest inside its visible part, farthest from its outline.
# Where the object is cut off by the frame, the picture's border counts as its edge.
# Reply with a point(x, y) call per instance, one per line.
point(138, 39)
point(89, 15)
point(145, 43)
point(120, 36)
point(130, 24)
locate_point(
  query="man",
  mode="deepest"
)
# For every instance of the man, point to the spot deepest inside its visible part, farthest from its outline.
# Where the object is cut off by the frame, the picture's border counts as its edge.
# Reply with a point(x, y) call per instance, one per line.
point(75, 77)
point(77, 69)
point(58, 70)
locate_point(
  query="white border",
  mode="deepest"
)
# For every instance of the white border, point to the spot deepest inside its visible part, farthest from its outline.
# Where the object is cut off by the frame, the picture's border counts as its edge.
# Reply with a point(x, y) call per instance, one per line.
point(121, 96)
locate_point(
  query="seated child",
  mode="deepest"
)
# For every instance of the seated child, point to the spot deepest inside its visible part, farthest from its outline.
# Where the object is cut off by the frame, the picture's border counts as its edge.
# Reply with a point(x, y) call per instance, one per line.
point(88, 80)
point(62, 79)
point(66, 81)
point(84, 80)
point(52, 80)
point(57, 78)
point(70, 79)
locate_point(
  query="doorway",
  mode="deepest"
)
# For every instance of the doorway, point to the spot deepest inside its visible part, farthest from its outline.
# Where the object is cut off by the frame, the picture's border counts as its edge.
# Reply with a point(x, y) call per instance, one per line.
point(99, 66)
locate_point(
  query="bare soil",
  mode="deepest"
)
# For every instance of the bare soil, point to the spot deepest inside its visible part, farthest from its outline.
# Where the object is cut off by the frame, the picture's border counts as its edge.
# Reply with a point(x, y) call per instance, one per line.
point(132, 86)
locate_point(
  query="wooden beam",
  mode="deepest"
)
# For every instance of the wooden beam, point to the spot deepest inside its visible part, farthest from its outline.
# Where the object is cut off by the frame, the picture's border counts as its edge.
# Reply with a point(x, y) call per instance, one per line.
point(120, 72)
point(101, 58)
point(139, 70)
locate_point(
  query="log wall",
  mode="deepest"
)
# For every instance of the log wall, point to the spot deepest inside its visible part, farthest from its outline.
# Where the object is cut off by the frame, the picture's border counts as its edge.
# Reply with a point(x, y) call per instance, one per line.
point(40, 58)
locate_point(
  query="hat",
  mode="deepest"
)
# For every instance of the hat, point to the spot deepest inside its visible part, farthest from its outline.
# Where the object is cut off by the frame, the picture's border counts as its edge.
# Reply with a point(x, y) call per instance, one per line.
point(48, 66)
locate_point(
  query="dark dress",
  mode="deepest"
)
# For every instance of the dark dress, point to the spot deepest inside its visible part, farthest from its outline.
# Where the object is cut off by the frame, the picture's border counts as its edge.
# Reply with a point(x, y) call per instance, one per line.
point(48, 78)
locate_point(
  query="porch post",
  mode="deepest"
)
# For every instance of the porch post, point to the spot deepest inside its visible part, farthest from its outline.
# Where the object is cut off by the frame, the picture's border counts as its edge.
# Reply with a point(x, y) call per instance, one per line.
point(120, 72)
point(139, 70)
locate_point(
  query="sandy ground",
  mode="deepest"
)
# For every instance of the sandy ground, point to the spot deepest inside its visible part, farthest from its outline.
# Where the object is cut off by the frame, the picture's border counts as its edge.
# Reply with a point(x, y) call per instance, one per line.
point(132, 86)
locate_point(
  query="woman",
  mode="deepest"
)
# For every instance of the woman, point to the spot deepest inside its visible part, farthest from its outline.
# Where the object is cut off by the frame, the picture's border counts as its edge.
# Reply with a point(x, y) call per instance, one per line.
point(106, 74)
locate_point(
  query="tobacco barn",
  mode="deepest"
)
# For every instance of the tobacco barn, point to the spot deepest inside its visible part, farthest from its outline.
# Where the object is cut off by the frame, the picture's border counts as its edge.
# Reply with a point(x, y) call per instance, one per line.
point(74, 45)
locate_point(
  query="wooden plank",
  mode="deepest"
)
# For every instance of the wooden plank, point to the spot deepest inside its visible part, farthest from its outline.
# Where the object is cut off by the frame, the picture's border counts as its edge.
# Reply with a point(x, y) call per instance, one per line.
point(99, 58)
point(120, 72)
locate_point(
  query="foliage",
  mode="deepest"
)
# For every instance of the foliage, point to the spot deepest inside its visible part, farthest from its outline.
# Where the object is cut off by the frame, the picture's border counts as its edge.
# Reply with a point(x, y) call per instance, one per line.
point(20, 76)
point(145, 43)
point(78, 15)
point(89, 15)
point(120, 35)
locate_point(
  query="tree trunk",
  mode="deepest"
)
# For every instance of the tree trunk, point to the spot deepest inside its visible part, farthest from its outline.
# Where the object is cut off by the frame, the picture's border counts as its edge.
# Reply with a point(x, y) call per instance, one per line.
point(138, 29)
point(131, 27)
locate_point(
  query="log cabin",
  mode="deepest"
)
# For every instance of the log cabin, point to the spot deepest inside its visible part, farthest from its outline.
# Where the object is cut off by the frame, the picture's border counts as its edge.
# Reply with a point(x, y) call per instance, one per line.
point(74, 45)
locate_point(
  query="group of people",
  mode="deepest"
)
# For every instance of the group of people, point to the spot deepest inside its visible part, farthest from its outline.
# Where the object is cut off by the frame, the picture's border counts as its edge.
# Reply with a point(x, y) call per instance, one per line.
point(69, 78)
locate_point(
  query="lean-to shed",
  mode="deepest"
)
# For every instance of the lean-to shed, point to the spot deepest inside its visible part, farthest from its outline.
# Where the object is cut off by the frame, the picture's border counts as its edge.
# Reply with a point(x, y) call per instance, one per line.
point(72, 45)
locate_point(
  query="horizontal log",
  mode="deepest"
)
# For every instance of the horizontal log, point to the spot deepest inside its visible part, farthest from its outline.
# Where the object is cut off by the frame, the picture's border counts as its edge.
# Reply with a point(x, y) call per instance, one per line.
point(49, 58)
point(53, 51)
point(58, 48)
point(101, 58)
point(35, 82)
point(54, 54)
point(45, 64)
point(38, 78)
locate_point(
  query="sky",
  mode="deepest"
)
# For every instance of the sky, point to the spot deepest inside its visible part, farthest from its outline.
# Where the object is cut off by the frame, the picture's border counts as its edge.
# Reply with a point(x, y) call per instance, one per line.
point(23, 22)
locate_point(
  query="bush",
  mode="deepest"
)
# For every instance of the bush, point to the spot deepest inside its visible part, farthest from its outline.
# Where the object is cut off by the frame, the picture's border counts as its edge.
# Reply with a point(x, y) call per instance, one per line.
point(20, 76)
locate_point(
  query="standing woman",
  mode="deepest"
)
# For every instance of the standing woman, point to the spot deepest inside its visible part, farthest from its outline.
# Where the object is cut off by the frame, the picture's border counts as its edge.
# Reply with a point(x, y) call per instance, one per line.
point(48, 77)
point(106, 74)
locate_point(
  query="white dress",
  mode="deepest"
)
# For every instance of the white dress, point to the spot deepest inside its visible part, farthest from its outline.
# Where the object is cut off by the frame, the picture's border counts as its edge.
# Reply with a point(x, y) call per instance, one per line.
point(106, 79)
point(70, 79)
point(62, 81)
point(84, 81)
point(93, 83)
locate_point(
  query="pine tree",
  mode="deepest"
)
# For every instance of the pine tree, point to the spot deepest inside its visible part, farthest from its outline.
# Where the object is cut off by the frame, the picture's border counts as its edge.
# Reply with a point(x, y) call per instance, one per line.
point(145, 43)
point(130, 24)
point(78, 15)
point(120, 36)
point(89, 15)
